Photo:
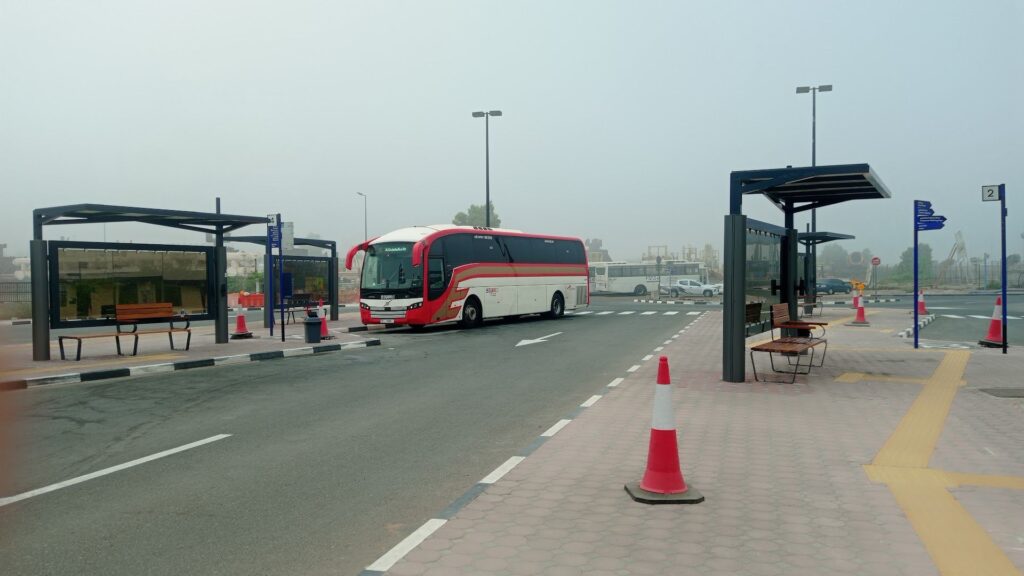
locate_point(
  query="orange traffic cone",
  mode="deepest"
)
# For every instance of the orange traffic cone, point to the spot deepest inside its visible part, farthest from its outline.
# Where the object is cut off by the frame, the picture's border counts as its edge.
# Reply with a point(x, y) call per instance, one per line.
point(994, 338)
point(856, 300)
point(861, 319)
point(324, 334)
point(240, 330)
point(663, 480)
point(921, 308)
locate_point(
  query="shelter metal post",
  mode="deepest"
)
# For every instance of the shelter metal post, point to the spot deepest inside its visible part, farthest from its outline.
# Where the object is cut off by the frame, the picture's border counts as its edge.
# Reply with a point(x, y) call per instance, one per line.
point(734, 299)
point(221, 269)
point(332, 282)
point(40, 300)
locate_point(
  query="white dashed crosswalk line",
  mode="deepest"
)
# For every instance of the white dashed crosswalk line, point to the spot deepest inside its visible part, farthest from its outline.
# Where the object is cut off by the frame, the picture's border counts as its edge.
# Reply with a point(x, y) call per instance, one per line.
point(672, 313)
point(605, 313)
point(648, 313)
point(694, 313)
point(584, 313)
point(626, 313)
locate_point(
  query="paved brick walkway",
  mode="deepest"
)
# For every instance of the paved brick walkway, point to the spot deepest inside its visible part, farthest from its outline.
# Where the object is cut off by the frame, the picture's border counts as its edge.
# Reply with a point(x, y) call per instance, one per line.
point(784, 469)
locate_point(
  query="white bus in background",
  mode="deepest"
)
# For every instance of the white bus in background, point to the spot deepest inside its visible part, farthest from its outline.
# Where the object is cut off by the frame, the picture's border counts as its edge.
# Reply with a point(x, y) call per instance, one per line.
point(642, 278)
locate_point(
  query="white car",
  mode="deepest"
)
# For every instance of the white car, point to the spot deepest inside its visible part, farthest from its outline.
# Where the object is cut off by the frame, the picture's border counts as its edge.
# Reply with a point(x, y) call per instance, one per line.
point(691, 287)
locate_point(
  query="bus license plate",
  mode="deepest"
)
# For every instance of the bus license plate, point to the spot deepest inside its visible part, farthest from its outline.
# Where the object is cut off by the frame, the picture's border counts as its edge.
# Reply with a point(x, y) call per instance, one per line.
point(387, 321)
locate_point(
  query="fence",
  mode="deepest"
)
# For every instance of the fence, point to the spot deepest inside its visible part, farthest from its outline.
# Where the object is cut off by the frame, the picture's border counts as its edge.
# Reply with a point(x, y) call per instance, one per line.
point(13, 292)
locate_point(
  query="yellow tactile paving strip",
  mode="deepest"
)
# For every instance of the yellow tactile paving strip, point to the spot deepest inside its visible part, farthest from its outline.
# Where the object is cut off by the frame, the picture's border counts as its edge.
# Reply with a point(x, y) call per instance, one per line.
point(956, 542)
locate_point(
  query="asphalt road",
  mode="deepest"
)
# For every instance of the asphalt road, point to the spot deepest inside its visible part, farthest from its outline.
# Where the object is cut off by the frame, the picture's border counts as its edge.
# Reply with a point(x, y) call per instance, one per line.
point(331, 460)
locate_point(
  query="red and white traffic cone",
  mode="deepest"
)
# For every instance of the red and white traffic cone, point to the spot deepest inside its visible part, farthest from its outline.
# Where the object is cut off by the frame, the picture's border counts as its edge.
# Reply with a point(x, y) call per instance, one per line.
point(663, 480)
point(856, 300)
point(324, 334)
point(994, 338)
point(861, 319)
point(921, 308)
point(240, 329)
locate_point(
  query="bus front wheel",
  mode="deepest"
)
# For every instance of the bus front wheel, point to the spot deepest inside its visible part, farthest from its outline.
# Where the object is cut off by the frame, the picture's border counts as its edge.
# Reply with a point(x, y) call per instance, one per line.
point(557, 306)
point(640, 290)
point(472, 315)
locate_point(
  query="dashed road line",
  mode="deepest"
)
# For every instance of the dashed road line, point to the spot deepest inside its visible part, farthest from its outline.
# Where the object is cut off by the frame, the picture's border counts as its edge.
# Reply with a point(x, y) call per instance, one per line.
point(591, 401)
point(502, 470)
point(633, 368)
point(627, 313)
point(385, 562)
point(558, 426)
point(646, 358)
point(615, 382)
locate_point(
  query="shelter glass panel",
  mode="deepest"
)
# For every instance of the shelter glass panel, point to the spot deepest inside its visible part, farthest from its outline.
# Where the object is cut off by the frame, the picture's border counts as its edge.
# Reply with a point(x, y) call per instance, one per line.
point(90, 283)
point(764, 265)
point(309, 279)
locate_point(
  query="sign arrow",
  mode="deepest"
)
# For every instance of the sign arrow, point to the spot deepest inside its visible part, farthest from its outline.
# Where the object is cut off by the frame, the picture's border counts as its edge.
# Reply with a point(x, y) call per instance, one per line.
point(924, 212)
point(541, 339)
point(922, 204)
point(929, 226)
point(931, 219)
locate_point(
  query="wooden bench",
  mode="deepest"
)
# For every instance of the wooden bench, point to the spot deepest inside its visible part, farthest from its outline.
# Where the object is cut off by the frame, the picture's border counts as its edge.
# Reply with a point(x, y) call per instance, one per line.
point(791, 346)
point(752, 318)
point(132, 315)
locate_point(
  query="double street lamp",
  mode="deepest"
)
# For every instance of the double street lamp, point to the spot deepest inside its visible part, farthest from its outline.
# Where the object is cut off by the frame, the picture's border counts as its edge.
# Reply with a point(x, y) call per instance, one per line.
point(487, 160)
point(813, 276)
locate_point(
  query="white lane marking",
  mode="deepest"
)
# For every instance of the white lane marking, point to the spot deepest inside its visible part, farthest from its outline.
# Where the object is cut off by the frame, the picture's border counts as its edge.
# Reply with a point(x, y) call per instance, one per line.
point(615, 382)
point(385, 562)
point(672, 313)
point(633, 368)
point(667, 342)
point(1012, 318)
point(989, 450)
point(502, 470)
point(591, 401)
point(952, 316)
point(583, 313)
point(605, 313)
point(674, 336)
point(105, 471)
point(626, 313)
point(554, 429)
point(693, 313)
point(536, 340)
point(659, 348)
point(646, 358)
point(649, 313)
point(981, 317)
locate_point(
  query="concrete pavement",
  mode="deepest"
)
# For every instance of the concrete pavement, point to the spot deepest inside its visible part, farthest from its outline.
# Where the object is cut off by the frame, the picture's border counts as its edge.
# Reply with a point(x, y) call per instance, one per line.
point(888, 460)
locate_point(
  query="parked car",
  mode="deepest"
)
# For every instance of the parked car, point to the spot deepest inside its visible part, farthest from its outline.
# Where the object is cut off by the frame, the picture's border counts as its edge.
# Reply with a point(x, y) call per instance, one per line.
point(833, 285)
point(691, 287)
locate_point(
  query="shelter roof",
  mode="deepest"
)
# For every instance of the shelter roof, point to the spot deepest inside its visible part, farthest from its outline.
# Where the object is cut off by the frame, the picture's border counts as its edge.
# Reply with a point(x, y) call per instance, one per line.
point(809, 187)
point(262, 240)
point(100, 213)
point(808, 238)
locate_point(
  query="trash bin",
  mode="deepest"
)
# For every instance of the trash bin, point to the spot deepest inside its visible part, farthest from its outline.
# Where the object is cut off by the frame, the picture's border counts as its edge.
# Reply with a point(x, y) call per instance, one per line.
point(312, 330)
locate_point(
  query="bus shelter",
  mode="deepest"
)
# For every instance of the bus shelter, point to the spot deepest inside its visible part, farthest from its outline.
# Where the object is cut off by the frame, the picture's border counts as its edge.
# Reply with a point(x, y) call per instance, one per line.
point(791, 190)
point(312, 271)
point(78, 283)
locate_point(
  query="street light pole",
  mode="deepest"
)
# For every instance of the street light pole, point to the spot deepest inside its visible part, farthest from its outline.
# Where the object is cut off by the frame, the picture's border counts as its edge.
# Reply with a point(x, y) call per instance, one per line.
point(365, 235)
point(813, 277)
point(487, 161)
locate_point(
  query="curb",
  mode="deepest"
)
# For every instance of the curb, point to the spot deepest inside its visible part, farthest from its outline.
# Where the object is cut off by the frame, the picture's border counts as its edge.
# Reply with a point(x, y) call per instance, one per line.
point(182, 365)
point(921, 323)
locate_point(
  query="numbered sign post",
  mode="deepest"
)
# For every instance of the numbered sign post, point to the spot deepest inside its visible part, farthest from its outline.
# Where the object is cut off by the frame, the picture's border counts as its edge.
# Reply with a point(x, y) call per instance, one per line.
point(997, 193)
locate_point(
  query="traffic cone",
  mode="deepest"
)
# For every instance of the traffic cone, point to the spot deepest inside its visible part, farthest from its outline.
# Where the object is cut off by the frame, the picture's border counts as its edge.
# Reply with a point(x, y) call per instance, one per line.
point(663, 480)
point(921, 308)
point(861, 319)
point(994, 338)
point(324, 335)
point(856, 300)
point(240, 330)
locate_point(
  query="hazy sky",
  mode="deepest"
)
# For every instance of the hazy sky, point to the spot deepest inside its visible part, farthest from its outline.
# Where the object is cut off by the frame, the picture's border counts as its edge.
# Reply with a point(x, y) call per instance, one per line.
point(622, 119)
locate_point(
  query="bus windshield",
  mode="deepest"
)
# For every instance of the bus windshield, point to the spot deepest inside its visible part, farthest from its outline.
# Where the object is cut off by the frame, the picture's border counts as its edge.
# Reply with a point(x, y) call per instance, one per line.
point(388, 271)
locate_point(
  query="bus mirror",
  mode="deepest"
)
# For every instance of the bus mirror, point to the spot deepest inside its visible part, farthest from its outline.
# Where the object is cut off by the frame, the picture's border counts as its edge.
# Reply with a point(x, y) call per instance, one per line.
point(417, 253)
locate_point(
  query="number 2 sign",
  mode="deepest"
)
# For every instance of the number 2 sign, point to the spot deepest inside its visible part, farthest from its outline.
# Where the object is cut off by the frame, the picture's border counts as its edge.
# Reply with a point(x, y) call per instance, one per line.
point(990, 193)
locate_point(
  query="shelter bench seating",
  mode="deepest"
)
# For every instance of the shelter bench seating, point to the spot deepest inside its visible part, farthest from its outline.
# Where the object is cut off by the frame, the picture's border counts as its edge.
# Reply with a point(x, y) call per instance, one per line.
point(791, 346)
point(131, 315)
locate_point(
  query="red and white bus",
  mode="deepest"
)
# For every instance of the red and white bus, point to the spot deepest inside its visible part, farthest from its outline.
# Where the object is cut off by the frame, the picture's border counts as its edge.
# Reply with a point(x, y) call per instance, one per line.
point(471, 273)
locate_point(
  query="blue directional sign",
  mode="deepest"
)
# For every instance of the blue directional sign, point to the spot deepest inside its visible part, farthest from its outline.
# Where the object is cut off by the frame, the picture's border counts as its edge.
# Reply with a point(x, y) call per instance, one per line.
point(275, 236)
point(924, 212)
point(922, 204)
point(931, 218)
point(930, 225)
